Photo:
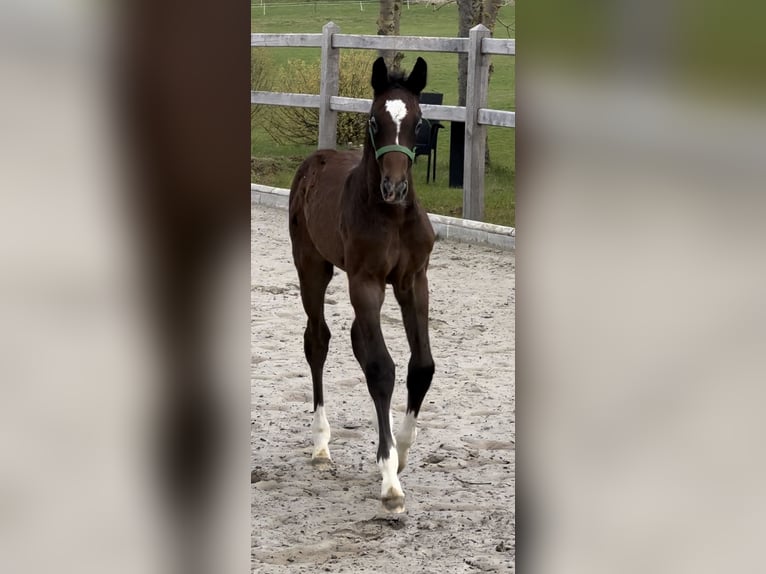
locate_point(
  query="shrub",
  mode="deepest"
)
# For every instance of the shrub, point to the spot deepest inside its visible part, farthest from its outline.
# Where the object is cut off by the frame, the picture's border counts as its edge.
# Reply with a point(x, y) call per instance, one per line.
point(301, 125)
point(261, 74)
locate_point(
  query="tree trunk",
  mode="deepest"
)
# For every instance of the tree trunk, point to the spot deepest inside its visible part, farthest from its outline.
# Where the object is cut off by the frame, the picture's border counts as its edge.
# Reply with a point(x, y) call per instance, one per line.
point(488, 18)
point(470, 13)
point(464, 24)
point(388, 25)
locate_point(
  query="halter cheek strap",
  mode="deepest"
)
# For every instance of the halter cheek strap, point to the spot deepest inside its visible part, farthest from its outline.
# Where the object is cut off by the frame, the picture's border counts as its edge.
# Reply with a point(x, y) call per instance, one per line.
point(410, 153)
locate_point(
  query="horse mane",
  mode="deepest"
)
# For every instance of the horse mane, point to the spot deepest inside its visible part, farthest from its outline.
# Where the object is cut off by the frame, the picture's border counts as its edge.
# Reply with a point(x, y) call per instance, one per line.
point(396, 79)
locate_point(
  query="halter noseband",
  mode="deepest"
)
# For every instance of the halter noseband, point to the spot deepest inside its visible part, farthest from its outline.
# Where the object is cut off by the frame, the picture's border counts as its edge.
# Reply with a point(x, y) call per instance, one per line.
point(410, 153)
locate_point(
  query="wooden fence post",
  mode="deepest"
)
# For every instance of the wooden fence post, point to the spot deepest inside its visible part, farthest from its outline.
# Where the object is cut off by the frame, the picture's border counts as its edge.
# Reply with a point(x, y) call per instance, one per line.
point(475, 134)
point(328, 87)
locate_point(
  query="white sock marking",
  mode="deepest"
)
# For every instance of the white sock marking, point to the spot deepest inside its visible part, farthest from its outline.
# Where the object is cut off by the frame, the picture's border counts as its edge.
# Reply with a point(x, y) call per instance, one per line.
point(389, 467)
point(406, 437)
point(321, 431)
point(391, 487)
point(397, 109)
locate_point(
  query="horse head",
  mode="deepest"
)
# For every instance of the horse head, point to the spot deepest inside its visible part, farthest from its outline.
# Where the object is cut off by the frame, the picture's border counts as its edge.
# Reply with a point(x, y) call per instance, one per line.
point(394, 121)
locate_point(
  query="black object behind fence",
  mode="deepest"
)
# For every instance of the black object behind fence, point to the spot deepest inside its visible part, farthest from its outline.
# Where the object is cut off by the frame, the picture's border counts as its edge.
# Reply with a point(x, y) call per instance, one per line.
point(429, 134)
point(456, 153)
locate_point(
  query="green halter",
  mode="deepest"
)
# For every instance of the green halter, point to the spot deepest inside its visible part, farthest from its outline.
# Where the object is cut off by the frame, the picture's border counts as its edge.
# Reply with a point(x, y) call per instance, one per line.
point(410, 153)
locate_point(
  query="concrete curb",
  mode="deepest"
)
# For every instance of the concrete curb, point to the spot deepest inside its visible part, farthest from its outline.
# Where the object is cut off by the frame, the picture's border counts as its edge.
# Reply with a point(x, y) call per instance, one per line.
point(445, 227)
point(271, 196)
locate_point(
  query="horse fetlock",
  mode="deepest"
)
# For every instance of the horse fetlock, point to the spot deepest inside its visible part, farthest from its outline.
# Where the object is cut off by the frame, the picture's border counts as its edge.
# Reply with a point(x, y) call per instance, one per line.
point(405, 439)
point(321, 434)
point(391, 493)
point(403, 451)
point(421, 373)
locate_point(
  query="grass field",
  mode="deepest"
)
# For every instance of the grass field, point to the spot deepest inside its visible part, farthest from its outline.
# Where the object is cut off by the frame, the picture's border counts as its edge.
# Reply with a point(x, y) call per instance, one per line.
point(275, 164)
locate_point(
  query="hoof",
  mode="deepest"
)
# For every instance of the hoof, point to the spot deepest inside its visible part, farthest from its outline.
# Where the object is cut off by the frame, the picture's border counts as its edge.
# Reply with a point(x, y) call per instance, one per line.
point(321, 458)
point(393, 504)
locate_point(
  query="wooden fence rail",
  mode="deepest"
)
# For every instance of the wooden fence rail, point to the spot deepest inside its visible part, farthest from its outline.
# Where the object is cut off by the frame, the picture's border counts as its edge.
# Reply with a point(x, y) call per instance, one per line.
point(475, 114)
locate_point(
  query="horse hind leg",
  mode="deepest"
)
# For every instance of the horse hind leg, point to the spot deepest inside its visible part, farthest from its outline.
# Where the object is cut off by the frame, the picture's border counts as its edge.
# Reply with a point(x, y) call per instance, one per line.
point(314, 276)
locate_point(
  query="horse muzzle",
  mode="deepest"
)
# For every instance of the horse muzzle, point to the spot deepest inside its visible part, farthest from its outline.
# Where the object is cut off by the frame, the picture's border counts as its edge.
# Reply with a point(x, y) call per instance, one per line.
point(393, 192)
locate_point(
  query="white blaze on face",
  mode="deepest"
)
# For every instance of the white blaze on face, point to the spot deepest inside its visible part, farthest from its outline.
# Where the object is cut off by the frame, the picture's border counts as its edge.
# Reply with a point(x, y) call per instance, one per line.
point(397, 109)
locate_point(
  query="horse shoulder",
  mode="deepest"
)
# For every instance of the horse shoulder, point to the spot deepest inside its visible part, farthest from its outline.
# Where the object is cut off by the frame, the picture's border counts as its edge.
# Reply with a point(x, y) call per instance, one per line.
point(419, 233)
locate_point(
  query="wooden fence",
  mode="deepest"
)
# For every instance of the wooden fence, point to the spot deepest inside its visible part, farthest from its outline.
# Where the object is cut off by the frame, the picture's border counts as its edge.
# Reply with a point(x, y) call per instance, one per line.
point(476, 116)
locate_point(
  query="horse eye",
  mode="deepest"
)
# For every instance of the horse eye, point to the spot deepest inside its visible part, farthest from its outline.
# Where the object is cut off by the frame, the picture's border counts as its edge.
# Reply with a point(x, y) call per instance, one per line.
point(373, 124)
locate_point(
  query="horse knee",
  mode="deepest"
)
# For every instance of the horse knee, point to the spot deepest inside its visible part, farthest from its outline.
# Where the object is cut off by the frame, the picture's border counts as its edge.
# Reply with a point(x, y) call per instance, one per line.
point(420, 376)
point(316, 340)
point(381, 372)
point(324, 334)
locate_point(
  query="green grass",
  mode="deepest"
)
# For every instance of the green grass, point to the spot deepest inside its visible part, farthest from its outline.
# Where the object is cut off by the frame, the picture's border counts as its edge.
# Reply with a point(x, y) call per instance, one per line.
point(275, 164)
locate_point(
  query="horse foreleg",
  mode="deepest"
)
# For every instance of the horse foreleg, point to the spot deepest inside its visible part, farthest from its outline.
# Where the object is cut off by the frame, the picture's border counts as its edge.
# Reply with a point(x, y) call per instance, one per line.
point(378, 366)
point(414, 304)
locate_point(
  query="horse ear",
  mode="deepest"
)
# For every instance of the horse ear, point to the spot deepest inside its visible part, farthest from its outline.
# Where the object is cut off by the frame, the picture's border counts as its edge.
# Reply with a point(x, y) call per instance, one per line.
point(379, 80)
point(418, 77)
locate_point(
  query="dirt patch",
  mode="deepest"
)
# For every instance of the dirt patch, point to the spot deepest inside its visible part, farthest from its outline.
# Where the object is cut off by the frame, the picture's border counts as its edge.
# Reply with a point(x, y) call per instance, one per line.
point(459, 482)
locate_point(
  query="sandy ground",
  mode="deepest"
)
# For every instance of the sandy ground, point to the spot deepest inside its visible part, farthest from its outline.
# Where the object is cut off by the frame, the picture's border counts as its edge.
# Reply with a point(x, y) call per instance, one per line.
point(459, 482)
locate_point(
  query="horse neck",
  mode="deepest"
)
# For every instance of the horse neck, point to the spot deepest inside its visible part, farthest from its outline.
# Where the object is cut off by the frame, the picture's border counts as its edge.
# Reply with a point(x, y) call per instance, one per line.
point(369, 164)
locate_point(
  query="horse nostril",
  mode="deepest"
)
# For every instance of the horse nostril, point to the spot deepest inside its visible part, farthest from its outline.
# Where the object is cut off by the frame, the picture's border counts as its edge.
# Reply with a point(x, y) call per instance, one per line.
point(393, 191)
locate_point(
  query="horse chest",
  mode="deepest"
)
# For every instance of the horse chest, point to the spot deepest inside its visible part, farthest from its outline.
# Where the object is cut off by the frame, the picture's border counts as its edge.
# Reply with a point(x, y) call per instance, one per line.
point(384, 252)
point(403, 264)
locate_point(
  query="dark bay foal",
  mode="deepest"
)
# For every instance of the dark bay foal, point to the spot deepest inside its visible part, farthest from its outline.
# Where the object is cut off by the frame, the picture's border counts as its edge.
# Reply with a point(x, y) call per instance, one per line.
point(360, 214)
